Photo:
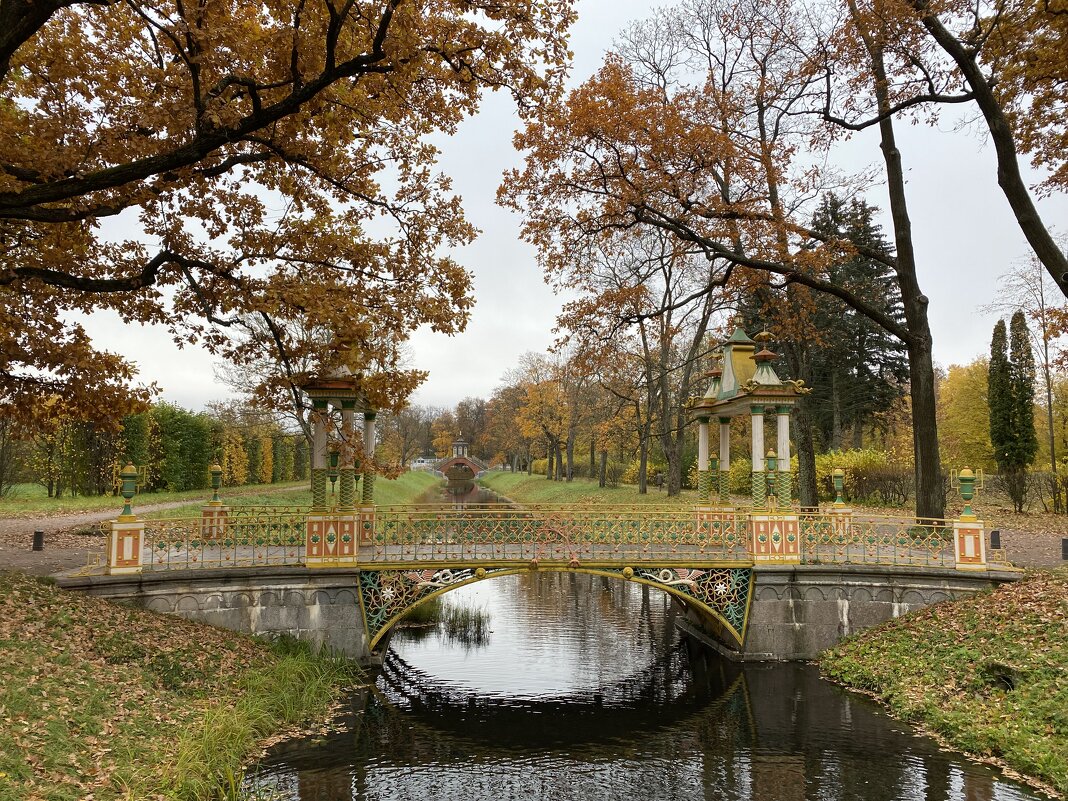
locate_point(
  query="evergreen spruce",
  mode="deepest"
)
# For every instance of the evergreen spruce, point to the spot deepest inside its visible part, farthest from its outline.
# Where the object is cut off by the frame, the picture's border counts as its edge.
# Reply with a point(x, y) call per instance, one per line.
point(1011, 398)
point(1022, 373)
point(999, 396)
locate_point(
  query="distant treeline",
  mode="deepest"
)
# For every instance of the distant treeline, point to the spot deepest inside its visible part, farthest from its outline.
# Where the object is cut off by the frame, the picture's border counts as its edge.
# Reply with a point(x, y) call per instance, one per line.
point(173, 449)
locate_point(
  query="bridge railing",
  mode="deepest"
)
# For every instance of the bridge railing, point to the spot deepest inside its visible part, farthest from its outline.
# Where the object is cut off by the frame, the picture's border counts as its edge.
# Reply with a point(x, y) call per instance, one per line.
point(554, 534)
point(186, 543)
point(829, 538)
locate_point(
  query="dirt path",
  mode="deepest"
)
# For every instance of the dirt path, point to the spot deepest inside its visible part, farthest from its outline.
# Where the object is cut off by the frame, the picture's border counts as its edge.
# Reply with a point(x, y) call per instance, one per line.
point(64, 549)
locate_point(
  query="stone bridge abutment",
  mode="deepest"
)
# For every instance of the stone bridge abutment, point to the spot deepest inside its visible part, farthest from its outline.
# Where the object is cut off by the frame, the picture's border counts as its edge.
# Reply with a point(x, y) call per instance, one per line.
point(792, 612)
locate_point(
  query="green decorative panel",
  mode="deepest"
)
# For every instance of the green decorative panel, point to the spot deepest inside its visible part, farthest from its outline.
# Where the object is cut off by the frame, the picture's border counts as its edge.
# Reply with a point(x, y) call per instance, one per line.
point(704, 485)
point(785, 489)
point(760, 490)
point(318, 487)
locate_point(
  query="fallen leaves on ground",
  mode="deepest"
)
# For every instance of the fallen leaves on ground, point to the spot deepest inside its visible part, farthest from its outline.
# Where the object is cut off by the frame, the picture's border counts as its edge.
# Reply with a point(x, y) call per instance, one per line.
point(988, 673)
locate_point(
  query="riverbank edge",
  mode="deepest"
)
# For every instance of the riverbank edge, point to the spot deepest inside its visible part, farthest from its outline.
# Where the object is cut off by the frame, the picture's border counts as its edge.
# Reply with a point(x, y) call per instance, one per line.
point(116, 702)
point(191, 733)
point(982, 675)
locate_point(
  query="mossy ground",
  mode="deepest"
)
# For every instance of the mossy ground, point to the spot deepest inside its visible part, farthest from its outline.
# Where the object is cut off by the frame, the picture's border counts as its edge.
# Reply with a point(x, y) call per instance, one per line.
point(988, 673)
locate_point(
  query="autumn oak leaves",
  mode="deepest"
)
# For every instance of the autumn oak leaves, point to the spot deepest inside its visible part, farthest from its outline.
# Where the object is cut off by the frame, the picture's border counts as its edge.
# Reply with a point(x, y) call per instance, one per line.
point(227, 169)
point(245, 173)
point(715, 121)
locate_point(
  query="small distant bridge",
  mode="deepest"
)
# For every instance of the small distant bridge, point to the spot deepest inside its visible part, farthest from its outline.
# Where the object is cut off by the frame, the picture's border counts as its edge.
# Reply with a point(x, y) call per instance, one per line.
point(732, 570)
point(461, 468)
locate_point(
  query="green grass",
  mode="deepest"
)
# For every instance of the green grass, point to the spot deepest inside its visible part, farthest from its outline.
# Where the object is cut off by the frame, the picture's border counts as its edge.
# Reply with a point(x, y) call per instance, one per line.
point(522, 488)
point(113, 702)
point(30, 500)
point(987, 673)
point(404, 489)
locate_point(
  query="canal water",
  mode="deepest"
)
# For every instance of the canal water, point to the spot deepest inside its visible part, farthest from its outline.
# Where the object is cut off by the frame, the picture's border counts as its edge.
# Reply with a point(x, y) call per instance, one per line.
point(584, 689)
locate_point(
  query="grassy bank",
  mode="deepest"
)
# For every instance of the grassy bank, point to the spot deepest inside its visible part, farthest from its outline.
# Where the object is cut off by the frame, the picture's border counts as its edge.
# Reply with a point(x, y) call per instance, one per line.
point(988, 673)
point(109, 702)
point(31, 500)
point(537, 489)
point(404, 489)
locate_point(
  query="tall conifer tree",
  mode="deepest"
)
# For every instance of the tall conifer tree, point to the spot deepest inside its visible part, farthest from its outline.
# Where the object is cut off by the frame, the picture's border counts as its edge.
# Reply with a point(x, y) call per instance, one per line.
point(1022, 373)
point(999, 396)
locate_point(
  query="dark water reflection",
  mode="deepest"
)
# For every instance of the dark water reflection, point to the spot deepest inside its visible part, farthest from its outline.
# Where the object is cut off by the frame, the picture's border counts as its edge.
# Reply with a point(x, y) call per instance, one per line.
point(585, 690)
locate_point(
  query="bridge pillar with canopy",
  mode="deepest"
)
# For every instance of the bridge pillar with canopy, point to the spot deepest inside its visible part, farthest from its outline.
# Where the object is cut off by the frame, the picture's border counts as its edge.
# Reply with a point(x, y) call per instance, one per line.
point(746, 383)
point(331, 531)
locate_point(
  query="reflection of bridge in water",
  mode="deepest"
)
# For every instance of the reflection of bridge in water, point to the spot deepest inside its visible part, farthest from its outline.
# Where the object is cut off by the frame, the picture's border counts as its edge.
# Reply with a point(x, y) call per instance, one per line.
point(769, 733)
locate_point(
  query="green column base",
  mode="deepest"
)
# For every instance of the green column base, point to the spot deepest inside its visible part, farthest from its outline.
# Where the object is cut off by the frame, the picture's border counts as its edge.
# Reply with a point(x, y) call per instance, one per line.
point(318, 488)
point(704, 485)
point(347, 491)
point(368, 488)
point(785, 489)
point(725, 487)
point(760, 490)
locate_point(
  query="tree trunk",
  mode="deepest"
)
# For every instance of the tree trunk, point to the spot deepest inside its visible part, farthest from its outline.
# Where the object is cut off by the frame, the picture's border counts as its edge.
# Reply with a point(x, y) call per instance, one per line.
point(560, 462)
point(593, 456)
point(836, 412)
point(807, 490)
point(549, 455)
point(643, 464)
point(570, 453)
point(603, 478)
point(930, 502)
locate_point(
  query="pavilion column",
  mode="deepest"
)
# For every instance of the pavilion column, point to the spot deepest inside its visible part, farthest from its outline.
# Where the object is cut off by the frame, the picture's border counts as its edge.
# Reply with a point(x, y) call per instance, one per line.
point(724, 460)
point(784, 488)
point(320, 435)
point(759, 487)
point(347, 493)
point(369, 450)
point(704, 478)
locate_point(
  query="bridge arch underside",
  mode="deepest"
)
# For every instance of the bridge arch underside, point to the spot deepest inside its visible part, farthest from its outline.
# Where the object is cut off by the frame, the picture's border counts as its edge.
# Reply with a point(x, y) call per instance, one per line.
point(721, 595)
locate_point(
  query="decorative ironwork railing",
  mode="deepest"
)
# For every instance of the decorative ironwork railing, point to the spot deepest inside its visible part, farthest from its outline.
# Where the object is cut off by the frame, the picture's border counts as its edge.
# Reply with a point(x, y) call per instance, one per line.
point(554, 534)
point(189, 543)
point(563, 535)
point(874, 540)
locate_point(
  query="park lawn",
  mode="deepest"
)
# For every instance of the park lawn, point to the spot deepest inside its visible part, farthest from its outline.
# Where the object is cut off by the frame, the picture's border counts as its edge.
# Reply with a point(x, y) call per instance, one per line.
point(989, 673)
point(106, 701)
point(31, 500)
point(522, 488)
point(403, 489)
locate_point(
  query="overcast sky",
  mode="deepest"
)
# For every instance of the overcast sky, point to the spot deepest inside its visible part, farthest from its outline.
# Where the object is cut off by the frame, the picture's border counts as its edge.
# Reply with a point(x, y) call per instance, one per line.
point(964, 233)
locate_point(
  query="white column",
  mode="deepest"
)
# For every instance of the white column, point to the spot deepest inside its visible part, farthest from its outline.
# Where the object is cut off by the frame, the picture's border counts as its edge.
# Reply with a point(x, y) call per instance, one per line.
point(758, 439)
point(348, 431)
point(724, 443)
point(320, 438)
point(783, 444)
point(369, 434)
point(702, 443)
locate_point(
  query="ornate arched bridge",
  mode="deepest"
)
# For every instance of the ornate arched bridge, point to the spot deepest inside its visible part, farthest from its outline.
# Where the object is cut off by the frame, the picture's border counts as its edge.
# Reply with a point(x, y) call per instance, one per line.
point(708, 557)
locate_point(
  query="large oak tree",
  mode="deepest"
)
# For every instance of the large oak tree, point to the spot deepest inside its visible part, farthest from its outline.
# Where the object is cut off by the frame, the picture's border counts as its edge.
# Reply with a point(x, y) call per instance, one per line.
point(218, 165)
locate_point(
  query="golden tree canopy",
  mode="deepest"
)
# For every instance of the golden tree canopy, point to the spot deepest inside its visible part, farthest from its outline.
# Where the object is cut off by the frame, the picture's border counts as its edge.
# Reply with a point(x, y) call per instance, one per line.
point(271, 160)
